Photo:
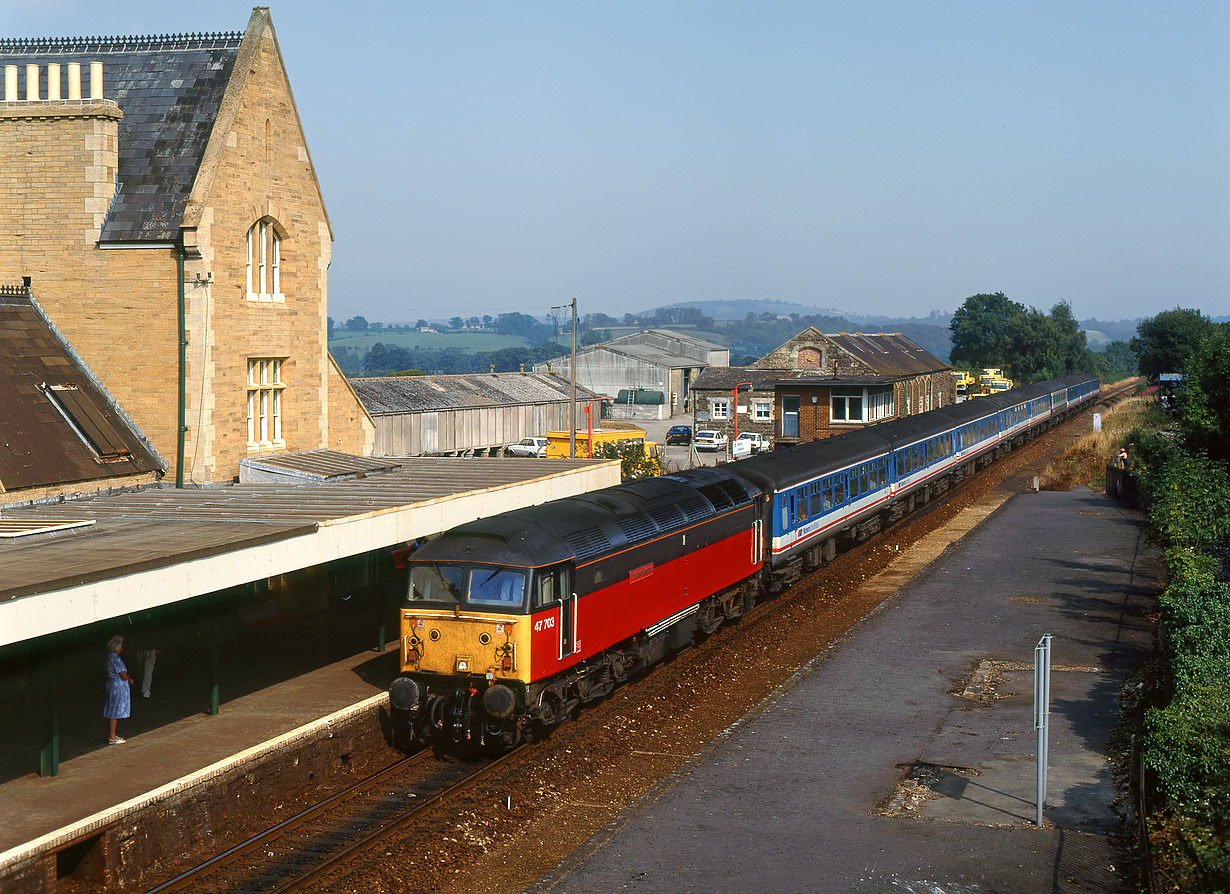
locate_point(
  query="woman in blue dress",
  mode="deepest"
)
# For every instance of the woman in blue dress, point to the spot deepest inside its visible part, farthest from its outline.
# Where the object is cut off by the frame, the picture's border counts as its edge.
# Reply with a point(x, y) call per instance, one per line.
point(119, 700)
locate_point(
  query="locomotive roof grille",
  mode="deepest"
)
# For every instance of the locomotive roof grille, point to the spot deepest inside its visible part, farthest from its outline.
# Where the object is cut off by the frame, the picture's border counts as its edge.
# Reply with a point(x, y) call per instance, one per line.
point(667, 517)
point(696, 508)
point(718, 497)
point(589, 542)
point(637, 527)
point(738, 494)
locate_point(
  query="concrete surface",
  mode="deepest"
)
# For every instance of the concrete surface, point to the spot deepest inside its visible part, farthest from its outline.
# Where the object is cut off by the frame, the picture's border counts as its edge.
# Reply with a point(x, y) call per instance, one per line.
point(902, 759)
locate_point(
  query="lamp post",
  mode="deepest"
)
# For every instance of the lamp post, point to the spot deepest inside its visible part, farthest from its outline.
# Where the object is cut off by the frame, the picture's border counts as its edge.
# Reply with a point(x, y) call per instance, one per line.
point(734, 413)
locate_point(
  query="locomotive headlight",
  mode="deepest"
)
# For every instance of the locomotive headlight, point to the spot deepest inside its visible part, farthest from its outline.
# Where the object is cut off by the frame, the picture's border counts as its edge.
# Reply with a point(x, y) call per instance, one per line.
point(484, 638)
point(463, 665)
point(435, 635)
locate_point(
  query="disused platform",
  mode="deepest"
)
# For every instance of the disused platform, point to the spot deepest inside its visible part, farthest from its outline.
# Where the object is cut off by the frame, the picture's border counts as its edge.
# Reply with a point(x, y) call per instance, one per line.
point(902, 759)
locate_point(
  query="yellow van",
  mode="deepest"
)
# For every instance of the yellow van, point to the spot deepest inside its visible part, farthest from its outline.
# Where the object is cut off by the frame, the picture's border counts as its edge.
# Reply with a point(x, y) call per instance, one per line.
point(558, 440)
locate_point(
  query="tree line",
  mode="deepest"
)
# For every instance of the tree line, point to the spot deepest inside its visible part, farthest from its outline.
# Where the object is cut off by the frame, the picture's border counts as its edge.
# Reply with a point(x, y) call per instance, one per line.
point(991, 330)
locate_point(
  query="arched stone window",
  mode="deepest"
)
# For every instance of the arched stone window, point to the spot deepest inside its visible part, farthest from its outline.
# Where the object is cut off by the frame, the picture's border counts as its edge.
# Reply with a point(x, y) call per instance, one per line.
point(265, 261)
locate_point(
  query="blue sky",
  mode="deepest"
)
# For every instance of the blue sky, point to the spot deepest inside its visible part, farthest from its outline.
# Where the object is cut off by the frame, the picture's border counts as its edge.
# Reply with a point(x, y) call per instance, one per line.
point(875, 157)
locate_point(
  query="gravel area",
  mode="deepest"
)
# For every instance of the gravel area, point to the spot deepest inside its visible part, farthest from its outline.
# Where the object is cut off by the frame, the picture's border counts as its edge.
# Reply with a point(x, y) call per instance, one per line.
point(518, 828)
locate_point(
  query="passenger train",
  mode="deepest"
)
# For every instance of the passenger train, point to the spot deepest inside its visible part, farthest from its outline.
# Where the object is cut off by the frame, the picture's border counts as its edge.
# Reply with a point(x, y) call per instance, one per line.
point(513, 621)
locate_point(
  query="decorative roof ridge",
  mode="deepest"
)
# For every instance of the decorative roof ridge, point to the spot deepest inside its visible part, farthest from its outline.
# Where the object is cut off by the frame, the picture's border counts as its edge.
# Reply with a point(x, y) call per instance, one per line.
point(42, 46)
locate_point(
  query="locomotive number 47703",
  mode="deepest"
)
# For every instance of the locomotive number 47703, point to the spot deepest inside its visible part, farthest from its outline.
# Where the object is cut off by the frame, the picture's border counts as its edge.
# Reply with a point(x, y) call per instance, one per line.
point(544, 624)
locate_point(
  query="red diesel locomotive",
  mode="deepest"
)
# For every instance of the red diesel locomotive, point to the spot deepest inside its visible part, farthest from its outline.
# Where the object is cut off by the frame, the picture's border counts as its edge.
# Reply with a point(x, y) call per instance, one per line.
point(513, 621)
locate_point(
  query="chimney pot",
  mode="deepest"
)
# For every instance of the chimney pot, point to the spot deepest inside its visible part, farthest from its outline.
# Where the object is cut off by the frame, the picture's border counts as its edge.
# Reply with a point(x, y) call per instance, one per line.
point(10, 83)
point(31, 83)
point(96, 85)
point(74, 80)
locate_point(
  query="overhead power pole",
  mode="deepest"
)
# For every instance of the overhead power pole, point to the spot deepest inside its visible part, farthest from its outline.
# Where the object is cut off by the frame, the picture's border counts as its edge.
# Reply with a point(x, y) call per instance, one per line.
point(572, 425)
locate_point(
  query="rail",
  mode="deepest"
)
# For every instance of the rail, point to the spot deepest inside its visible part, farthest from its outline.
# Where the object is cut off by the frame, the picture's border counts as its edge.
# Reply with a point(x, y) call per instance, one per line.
point(336, 830)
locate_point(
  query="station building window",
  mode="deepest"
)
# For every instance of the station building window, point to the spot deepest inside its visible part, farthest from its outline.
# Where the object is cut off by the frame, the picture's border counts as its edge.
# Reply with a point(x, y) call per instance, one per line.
point(860, 404)
point(264, 268)
point(265, 394)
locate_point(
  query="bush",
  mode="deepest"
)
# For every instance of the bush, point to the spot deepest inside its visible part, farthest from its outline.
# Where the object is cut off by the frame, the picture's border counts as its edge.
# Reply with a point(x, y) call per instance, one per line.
point(1186, 740)
point(1189, 498)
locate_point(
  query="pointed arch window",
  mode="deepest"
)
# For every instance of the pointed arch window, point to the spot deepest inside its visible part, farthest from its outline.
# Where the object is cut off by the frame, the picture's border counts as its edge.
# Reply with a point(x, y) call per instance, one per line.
point(264, 262)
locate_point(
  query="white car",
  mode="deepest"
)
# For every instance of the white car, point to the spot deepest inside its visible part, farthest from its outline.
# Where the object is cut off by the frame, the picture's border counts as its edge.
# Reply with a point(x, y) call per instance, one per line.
point(709, 440)
point(753, 442)
point(528, 447)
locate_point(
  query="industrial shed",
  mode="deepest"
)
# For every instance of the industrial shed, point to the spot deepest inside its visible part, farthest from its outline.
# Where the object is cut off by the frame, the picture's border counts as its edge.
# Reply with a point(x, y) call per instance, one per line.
point(460, 415)
point(654, 360)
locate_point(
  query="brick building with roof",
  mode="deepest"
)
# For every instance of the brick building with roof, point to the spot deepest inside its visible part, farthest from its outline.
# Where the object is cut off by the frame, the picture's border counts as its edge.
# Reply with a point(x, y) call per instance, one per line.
point(816, 385)
point(158, 200)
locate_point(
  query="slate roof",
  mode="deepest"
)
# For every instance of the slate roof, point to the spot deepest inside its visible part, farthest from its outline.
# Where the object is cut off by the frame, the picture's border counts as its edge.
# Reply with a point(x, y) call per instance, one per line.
point(405, 394)
point(39, 447)
point(170, 89)
point(725, 378)
point(890, 354)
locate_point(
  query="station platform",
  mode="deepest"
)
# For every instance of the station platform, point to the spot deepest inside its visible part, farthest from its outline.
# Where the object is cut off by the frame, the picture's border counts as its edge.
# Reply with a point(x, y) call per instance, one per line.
point(903, 758)
point(171, 749)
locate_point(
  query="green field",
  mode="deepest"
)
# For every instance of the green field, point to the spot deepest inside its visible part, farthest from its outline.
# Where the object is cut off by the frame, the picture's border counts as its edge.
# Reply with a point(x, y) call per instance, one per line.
point(431, 341)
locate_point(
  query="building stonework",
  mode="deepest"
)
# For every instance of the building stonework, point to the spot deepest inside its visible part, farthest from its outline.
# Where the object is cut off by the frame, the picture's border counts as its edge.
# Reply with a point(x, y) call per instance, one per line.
point(115, 299)
point(820, 385)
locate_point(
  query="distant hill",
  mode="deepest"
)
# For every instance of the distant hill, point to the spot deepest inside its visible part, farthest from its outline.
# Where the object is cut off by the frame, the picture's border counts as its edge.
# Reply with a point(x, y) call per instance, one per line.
point(1100, 333)
point(738, 309)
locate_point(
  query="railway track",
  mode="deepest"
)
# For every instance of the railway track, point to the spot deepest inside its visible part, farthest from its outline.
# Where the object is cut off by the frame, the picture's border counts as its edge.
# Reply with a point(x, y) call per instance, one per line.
point(323, 839)
point(335, 834)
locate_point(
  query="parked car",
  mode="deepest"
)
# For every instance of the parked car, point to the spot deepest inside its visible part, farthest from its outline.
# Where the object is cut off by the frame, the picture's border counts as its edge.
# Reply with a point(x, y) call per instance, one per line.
point(709, 440)
point(679, 434)
point(755, 443)
point(528, 447)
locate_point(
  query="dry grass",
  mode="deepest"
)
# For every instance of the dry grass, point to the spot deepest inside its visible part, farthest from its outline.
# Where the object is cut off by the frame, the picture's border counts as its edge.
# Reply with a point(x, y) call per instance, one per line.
point(1085, 461)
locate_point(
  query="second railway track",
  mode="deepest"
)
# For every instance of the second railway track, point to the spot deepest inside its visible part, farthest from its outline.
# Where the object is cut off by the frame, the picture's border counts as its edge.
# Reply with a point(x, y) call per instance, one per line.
point(296, 853)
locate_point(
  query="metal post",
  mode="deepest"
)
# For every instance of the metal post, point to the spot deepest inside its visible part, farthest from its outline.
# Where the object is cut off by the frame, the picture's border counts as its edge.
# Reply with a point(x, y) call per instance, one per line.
point(572, 427)
point(49, 753)
point(214, 667)
point(1042, 715)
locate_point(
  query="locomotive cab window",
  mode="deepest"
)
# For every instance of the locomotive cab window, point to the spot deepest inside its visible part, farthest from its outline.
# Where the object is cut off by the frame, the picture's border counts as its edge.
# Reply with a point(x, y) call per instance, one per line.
point(436, 583)
point(502, 587)
point(450, 585)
